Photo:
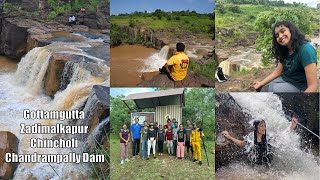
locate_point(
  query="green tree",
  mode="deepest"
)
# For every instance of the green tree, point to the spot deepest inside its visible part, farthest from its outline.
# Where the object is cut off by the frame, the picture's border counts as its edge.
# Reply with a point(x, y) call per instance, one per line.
point(119, 113)
point(199, 108)
point(266, 20)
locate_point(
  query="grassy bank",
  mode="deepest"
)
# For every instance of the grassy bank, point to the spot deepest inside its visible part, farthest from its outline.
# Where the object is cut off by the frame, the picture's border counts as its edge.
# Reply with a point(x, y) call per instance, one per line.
point(163, 167)
point(172, 22)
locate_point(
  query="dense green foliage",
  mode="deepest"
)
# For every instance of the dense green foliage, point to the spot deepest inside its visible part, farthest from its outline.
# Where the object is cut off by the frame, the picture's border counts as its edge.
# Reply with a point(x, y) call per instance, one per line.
point(119, 35)
point(9, 7)
point(246, 18)
point(175, 22)
point(198, 108)
point(261, 2)
point(119, 114)
point(66, 7)
point(266, 20)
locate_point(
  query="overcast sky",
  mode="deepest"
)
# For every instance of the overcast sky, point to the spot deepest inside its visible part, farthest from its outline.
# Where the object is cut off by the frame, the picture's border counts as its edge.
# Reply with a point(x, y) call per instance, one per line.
point(311, 3)
point(114, 92)
point(129, 6)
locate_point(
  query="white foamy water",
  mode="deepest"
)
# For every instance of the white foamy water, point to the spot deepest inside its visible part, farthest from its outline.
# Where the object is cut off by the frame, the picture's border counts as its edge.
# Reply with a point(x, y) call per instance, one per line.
point(290, 161)
point(156, 61)
point(24, 90)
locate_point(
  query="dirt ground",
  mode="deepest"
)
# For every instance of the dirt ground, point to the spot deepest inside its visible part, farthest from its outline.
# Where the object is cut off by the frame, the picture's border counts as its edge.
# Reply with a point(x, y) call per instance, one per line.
point(241, 83)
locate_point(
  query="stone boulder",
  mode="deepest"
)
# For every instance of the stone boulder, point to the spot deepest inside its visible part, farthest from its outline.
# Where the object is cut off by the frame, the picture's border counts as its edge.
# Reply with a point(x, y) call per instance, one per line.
point(14, 37)
point(8, 144)
point(103, 12)
point(306, 107)
point(230, 117)
point(191, 80)
point(97, 111)
point(54, 73)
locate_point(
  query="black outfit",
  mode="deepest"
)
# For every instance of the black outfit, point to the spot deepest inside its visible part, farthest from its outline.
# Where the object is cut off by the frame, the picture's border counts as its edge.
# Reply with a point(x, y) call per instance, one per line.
point(261, 153)
point(163, 71)
point(160, 140)
point(135, 147)
point(151, 134)
point(188, 145)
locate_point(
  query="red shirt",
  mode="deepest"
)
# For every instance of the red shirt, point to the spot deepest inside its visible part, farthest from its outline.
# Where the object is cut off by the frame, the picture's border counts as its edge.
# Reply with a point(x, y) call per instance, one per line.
point(169, 135)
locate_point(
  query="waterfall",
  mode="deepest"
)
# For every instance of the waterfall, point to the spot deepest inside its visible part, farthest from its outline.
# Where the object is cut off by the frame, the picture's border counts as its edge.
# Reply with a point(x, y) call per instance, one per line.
point(157, 60)
point(290, 161)
point(66, 74)
point(24, 90)
point(96, 135)
point(163, 54)
point(32, 68)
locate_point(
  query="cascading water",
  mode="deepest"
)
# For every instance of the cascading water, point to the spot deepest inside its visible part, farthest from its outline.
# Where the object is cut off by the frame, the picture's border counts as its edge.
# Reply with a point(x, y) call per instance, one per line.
point(290, 161)
point(157, 60)
point(32, 68)
point(24, 90)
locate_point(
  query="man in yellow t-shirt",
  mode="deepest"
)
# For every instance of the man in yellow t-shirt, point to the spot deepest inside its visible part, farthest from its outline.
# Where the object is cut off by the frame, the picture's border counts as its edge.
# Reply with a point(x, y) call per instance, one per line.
point(176, 67)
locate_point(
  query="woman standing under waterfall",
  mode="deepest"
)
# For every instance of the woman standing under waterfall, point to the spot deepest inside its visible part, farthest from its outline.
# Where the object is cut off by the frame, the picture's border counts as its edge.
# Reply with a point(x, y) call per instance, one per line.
point(297, 62)
point(257, 142)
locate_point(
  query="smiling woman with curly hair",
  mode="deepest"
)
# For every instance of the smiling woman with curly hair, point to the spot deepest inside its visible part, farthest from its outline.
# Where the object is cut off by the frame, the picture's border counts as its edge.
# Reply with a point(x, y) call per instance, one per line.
point(297, 62)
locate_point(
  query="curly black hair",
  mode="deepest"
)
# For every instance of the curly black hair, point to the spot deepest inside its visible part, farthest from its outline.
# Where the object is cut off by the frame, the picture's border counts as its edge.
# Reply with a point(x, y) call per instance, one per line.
point(280, 52)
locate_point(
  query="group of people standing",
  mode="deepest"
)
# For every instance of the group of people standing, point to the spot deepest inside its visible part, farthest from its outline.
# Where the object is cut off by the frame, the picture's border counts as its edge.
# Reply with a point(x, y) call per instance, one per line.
point(176, 137)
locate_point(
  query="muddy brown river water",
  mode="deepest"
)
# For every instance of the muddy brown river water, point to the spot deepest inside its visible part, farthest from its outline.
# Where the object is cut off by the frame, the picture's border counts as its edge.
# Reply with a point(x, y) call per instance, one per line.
point(7, 64)
point(129, 63)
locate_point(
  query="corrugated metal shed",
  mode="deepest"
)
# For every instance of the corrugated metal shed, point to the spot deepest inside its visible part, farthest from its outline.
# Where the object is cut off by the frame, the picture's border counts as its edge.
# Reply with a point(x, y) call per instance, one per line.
point(157, 98)
point(175, 111)
point(164, 101)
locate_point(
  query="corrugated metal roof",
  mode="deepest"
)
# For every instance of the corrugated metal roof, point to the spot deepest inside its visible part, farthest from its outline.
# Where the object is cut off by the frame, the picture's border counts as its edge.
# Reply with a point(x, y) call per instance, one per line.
point(161, 93)
point(157, 98)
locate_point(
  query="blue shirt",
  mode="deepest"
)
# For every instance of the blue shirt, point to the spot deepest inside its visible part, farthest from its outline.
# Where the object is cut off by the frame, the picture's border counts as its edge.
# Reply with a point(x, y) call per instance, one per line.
point(135, 130)
point(294, 64)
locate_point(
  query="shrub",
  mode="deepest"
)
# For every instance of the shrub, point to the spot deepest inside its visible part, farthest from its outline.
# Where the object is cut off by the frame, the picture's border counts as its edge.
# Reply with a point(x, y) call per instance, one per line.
point(52, 15)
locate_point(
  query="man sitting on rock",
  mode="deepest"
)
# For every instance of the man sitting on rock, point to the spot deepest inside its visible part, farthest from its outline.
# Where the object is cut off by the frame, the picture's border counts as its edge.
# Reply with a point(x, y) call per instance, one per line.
point(176, 67)
point(74, 21)
point(70, 20)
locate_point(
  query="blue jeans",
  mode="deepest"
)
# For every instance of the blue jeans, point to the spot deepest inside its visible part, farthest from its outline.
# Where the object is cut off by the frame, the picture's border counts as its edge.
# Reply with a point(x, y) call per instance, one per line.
point(279, 85)
point(144, 147)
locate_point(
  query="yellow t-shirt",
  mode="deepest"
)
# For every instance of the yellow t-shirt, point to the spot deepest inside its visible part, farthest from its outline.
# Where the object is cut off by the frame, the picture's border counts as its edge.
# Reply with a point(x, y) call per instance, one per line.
point(179, 62)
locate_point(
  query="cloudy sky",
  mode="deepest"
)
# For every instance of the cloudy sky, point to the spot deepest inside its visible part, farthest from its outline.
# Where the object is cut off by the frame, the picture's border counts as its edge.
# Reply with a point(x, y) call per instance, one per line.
point(114, 92)
point(311, 3)
point(128, 6)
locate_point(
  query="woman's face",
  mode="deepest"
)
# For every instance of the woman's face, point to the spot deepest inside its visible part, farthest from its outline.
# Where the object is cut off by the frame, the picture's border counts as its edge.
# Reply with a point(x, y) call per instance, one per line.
point(283, 35)
point(124, 126)
point(262, 127)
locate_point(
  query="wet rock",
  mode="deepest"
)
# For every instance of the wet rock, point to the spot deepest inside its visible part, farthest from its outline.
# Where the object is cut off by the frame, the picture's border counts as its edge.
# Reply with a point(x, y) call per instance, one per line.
point(54, 73)
point(8, 144)
point(100, 101)
point(242, 59)
point(191, 80)
point(103, 12)
point(14, 37)
point(307, 112)
point(230, 117)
